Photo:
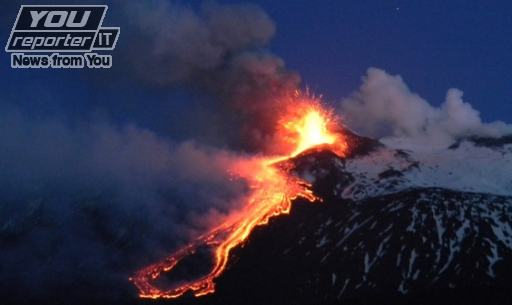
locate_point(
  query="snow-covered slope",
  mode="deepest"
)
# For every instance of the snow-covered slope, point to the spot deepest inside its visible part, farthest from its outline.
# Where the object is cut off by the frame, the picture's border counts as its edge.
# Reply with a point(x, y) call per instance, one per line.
point(467, 167)
point(395, 226)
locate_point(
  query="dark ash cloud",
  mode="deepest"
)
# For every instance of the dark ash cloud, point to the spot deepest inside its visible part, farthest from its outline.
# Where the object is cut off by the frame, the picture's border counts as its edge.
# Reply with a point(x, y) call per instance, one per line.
point(84, 205)
point(221, 51)
point(87, 203)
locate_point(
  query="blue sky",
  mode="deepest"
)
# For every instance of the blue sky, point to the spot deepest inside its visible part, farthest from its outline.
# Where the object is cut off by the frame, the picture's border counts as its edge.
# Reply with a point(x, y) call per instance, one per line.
point(433, 45)
point(67, 136)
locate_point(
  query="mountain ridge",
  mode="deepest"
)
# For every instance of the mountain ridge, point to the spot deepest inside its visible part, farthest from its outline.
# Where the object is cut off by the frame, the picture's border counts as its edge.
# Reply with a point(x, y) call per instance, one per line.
point(378, 236)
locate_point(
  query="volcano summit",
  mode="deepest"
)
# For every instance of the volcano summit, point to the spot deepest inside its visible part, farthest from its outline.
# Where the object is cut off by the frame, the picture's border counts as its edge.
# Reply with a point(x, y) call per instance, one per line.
point(394, 226)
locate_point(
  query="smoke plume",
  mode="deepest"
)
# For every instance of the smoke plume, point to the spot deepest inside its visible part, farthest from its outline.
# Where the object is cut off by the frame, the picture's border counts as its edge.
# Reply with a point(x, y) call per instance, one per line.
point(385, 108)
point(219, 50)
point(85, 204)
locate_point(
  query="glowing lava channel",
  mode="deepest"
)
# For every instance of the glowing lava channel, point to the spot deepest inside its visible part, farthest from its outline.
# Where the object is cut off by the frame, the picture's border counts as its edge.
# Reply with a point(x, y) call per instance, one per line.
point(272, 189)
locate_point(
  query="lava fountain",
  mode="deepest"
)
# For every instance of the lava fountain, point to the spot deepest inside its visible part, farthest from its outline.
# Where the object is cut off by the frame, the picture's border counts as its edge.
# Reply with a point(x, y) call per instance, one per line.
point(304, 125)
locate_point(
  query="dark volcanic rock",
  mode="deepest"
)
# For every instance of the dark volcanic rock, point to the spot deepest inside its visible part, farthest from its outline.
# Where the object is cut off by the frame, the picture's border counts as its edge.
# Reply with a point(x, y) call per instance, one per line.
point(417, 246)
point(393, 227)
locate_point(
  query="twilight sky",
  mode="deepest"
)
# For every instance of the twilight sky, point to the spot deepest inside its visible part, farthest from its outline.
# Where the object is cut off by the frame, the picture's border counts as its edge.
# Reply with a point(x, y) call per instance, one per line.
point(106, 153)
point(433, 45)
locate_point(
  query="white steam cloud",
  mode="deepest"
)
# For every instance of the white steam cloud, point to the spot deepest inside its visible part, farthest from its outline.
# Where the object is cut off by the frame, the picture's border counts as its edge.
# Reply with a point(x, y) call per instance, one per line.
point(385, 108)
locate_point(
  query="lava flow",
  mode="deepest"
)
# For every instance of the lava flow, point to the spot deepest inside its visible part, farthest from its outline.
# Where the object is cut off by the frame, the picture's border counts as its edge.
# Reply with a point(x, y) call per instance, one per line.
point(303, 125)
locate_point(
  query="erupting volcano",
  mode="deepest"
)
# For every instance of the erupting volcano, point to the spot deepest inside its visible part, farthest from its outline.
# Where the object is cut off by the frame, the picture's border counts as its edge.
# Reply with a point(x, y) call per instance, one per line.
point(304, 124)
